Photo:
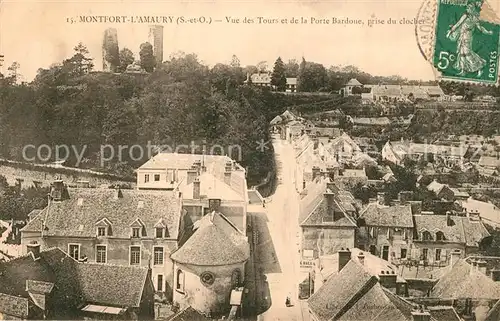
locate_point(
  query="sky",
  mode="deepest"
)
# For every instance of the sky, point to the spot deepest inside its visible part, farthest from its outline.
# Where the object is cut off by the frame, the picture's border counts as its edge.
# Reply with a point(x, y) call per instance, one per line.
point(37, 34)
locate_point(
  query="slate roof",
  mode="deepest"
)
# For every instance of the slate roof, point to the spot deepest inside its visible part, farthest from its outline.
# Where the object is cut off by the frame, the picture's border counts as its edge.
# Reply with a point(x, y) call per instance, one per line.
point(321, 215)
point(211, 187)
point(390, 216)
point(461, 283)
point(70, 283)
point(215, 242)
point(462, 229)
point(68, 218)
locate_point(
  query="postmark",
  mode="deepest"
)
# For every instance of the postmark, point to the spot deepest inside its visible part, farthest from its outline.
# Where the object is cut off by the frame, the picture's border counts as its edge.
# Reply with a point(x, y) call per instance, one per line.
point(460, 39)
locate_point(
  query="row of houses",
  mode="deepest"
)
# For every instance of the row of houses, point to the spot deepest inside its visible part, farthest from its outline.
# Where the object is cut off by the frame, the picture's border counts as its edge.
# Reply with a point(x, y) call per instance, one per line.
point(331, 219)
point(392, 92)
point(184, 224)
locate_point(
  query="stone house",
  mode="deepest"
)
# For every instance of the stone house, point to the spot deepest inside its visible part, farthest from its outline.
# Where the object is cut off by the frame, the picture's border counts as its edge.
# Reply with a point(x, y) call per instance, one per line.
point(52, 285)
point(112, 226)
point(438, 236)
point(326, 225)
point(386, 231)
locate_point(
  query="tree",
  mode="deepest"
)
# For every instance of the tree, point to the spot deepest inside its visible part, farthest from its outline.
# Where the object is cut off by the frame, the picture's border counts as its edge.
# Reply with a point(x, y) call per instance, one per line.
point(80, 64)
point(278, 77)
point(13, 72)
point(126, 59)
point(301, 77)
point(292, 68)
point(235, 62)
point(147, 58)
point(262, 67)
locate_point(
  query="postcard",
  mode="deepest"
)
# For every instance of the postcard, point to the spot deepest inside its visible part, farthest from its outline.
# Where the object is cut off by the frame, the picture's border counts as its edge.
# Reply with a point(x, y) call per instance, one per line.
point(250, 160)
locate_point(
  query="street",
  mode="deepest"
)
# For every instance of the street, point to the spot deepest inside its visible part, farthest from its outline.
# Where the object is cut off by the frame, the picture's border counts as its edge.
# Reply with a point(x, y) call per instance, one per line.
point(277, 250)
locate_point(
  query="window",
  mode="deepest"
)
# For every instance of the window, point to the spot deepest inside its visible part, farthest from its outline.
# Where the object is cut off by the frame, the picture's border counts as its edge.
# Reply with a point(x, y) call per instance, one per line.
point(440, 236)
point(159, 282)
point(157, 177)
point(159, 232)
point(74, 251)
point(438, 255)
point(146, 178)
point(179, 285)
point(136, 232)
point(426, 236)
point(135, 255)
point(425, 254)
point(403, 253)
point(158, 256)
point(100, 254)
point(101, 231)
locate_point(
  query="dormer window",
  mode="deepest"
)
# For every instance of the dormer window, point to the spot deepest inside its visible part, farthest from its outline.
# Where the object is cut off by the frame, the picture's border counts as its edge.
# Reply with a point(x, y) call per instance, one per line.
point(160, 229)
point(440, 236)
point(137, 229)
point(103, 228)
point(426, 236)
point(159, 232)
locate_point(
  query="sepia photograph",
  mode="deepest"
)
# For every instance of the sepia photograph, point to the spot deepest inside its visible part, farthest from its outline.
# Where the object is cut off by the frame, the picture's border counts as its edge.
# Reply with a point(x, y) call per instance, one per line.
point(301, 160)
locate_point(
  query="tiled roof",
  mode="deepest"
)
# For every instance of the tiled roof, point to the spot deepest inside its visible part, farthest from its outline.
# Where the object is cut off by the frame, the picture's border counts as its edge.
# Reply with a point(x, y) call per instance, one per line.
point(78, 218)
point(189, 314)
point(489, 161)
point(211, 187)
point(69, 282)
point(321, 215)
point(215, 242)
point(14, 306)
point(353, 82)
point(435, 187)
point(354, 295)
point(393, 216)
point(461, 283)
point(460, 230)
point(486, 210)
point(123, 287)
point(313, 196)
point(443, 313)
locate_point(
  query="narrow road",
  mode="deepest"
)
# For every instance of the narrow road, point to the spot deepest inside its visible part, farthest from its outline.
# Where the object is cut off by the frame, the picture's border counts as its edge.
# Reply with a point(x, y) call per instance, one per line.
point(282, 215)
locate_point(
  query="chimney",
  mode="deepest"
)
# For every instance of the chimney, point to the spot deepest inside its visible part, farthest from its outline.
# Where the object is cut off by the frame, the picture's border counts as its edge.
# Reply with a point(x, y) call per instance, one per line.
point(196, 188)
point(34, 248)
point(449, 221)
point(495, 275)
point(58, 191)
point(420, 314)
point(191, 175)
point(118, 193)
point(380, 198)
point(454, 257)
point(388, 279)
point(361, 258)
point(344, 258)
point(315, 172)
point(473, 264)
point(227, 173)
point(481, 266)
point(214, 205)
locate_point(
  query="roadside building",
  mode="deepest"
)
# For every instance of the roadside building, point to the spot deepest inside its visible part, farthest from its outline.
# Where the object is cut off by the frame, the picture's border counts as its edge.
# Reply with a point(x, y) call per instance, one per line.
point(52, 285)
point(386, 231)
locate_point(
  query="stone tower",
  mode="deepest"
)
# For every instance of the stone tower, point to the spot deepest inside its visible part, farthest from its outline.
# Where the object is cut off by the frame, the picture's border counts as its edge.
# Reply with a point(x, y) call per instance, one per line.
point(156, 40)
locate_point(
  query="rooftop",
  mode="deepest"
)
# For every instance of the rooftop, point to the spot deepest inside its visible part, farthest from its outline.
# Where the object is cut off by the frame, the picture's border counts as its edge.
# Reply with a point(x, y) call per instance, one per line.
point(390, 216)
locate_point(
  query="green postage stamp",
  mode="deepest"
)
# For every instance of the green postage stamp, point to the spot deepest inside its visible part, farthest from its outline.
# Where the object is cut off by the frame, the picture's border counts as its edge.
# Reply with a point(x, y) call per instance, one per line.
point(465, 41)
